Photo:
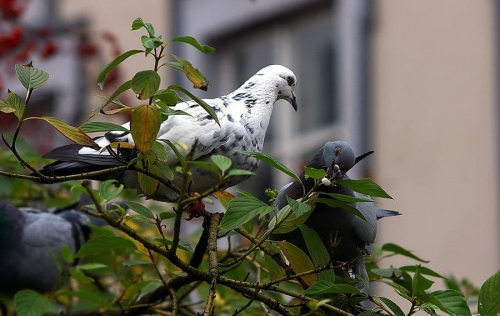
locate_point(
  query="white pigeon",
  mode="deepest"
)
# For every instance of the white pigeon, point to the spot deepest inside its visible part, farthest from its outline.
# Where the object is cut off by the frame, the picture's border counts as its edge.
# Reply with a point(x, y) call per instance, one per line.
point(243, 115)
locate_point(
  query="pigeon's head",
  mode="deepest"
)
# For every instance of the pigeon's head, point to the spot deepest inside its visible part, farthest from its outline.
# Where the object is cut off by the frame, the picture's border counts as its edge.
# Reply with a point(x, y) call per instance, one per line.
point(339, 158)
point(285, 81)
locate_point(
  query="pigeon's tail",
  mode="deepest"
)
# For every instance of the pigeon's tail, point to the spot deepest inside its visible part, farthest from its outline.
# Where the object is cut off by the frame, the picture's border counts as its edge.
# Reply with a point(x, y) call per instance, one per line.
point(386, 213)
point(71, 161)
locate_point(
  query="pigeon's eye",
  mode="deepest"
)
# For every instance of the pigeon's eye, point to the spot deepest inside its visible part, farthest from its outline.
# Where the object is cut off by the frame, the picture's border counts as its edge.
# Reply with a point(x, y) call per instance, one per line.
point(290, 80)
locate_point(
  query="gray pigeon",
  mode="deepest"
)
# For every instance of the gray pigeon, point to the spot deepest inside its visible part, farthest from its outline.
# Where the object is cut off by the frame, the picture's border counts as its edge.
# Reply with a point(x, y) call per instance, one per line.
point(28, 237)
point(244, 117)
point(344, 234)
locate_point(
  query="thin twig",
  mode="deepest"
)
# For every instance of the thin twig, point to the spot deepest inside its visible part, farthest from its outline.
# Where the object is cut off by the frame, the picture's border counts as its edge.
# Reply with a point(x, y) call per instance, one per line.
point(213, 262)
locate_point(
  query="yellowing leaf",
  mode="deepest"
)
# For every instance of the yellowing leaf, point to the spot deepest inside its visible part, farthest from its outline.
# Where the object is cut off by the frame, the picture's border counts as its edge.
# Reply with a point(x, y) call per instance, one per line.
point(299, 261)
point(195, 76)
point(6, 108)
point(119, 110)
point(148, 185)
point(144, 126)
point(224, 197)
point(17, 103)
point(73, 133)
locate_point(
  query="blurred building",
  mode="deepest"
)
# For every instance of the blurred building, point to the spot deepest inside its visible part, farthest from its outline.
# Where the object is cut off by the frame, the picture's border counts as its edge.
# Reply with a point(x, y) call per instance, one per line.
point(414, 81)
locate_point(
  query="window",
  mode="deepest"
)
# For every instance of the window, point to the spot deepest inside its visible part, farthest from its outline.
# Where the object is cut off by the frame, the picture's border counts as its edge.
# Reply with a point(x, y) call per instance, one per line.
point(305, 43)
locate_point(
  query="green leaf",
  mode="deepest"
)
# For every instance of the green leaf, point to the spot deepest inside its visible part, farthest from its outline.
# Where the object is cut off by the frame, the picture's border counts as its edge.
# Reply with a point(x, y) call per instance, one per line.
point(202, 103)
point(390, 247)
point(298, 260)
point(137, 24)
point(347, 198)
point(140, 209)
point(207, 165)
point(135, 262)
point(145, 84)
point(422, 270)
point(489, 294)
point(222, 162)
point(72, 133)
point(241, 210)
point(30, 303)
point(17, 103)
point(110, 189)
point(314, 173)
point(141, 288)
point(183, 244)
point(290, 223)
point(273, 163)
point(151, 42)
point(180, 157)
point(364, 186)
point(317, 251)
point(100, 244)
point(334, 203)
point(388, 272)
point(67, 254)
point(451, 302)
point(6, 108)
point(167, 215)
point(275, 270)
point(420, 283)
point(112, 65)
point(92, 266)
point(167, 96)
point(31, 77)
point(148, 185)
point(193, 42)
point(323, 287)
point(144, 126)
point(122, 88)
point(91, 297)
point(393, 306)
point(92, 127)
point(165, 170)
point(297, 207)
point(240, 172)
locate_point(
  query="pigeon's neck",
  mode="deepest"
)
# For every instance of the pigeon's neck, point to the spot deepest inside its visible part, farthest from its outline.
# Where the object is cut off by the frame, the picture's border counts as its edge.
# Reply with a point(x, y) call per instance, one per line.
point(256, 99)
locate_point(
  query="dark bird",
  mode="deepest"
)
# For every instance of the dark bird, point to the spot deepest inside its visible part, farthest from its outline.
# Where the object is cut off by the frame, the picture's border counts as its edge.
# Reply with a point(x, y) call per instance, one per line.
point(344, 234)
point(243, 115)
point(29, 239)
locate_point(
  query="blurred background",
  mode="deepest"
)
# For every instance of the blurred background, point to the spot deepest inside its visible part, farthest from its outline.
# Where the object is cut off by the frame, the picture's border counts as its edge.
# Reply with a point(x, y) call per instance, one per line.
point(414, 81)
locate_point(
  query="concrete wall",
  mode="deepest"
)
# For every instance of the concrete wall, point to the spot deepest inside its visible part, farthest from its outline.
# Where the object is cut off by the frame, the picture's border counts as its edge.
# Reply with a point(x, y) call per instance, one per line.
point(435, 131)
point(116, 17)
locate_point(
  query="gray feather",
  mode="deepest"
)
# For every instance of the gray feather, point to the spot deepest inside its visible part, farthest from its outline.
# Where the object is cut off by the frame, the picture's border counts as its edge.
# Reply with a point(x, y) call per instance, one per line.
point(29, 238)
point(350, 232)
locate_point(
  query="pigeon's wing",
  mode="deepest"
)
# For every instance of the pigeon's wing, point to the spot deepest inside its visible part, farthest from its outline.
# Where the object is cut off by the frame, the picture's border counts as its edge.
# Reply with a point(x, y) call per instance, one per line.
point(184, 131)
point(293, 190)
point(44, 235)
point(365, 229)
point(44, 230)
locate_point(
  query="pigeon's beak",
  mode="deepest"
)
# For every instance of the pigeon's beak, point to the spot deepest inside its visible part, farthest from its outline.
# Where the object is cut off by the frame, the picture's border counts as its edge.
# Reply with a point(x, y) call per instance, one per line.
point(294, 102)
